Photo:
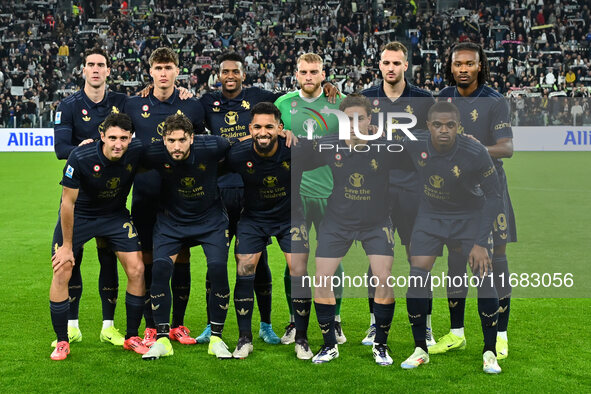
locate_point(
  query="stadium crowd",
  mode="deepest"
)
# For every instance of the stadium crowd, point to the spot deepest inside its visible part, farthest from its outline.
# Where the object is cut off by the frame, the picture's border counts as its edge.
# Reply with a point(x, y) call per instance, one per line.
point(538, 50)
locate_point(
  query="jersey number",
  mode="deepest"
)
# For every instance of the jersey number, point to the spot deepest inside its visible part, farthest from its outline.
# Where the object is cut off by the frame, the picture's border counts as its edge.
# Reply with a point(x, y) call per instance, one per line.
point(501, 223)
point(129, 227)
point(298, 233)
point(389, 234)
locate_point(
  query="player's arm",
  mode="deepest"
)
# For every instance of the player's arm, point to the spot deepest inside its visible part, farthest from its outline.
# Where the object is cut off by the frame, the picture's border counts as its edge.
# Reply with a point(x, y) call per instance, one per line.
point(479, 259)
point(63, 133)
point(331, 92)
point(501, 130)
point(64, 253)
point(503, 148)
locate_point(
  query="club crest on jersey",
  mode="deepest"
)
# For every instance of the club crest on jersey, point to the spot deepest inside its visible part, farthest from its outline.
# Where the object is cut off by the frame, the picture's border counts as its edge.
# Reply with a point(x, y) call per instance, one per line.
point(85, 118)
point(286, 165)
point(408, 109)
point(129, 168)
point(474, 115)
point(373, 164)
point(456, 171)
point(245, 104)
point(202, 167)
point(114, 110)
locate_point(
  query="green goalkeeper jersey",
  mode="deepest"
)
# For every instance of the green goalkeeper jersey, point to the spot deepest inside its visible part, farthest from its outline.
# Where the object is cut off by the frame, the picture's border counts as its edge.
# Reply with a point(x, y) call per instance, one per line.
point(304, 118)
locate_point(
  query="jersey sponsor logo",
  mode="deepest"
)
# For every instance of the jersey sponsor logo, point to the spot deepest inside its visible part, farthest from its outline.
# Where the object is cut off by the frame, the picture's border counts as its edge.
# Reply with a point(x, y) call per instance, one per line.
point(245, 104)
point(188, 182)
point(69, 171)
point(474, 115)
point(356, 179)
point(502, 126)
point(58, 117)
point(436, 181)
point(270, 181)
point(113, 183)
point(456, 171)
point(231, 118)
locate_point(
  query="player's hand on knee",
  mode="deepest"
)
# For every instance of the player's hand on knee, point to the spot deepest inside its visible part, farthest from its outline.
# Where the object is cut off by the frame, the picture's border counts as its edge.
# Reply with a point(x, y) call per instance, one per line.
point(61, 258)
point(479, 260)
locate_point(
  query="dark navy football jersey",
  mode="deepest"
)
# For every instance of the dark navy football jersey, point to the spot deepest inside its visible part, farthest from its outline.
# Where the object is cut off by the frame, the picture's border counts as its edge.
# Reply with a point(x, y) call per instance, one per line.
point(484, 114)
point(413, 100)
point(359, 199)
point(267, 181)
point(103, 184)
point(78, 118)
point(229, 118)
point(459, 184)
point(148, 115)
point(189, 187)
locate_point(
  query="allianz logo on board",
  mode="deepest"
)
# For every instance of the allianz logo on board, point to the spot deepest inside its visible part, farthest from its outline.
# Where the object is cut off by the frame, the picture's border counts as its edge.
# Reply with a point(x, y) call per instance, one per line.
point(25, 138)
point(578, 137)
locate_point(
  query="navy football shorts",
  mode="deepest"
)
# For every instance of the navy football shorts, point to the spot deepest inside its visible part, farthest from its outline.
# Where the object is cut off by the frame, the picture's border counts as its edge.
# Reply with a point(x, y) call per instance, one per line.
point(253, 236)
point(430, 234)
point(118, 230)
point(335, 240)
point(210, 231)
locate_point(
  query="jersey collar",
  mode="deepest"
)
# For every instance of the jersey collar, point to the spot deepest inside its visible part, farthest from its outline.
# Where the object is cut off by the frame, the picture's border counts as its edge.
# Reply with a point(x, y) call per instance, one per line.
point(92, 104)
point(472, 97)
point(310, 100)
point(447, 155)
point(171, 100)
point(240, 97)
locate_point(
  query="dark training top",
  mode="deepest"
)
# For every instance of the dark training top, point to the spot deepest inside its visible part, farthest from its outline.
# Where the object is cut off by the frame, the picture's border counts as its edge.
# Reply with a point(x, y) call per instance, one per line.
point(229, 118)
point(103, 184)
point(484, 114)
point(148, 115)
point(78, 118)
point(413, 100)
point(459, 184)
point(189, 187)
point(267, 181)
point(359, 199)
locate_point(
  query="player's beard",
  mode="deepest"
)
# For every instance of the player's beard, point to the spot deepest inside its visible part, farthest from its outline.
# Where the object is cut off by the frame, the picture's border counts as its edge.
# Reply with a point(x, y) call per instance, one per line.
point(311, 90)
point(264, 149)
point(184, 154)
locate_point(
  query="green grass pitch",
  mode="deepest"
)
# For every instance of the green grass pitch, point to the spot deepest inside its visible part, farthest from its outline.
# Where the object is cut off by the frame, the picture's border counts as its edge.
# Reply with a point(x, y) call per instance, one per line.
point(548, 337)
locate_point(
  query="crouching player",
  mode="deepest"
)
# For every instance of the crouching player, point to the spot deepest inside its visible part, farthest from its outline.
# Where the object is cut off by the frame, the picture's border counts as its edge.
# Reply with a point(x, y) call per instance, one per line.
point(191, 213)
point(264, 163)
point(97, 179)
point(461, 197)
point(356, 211)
